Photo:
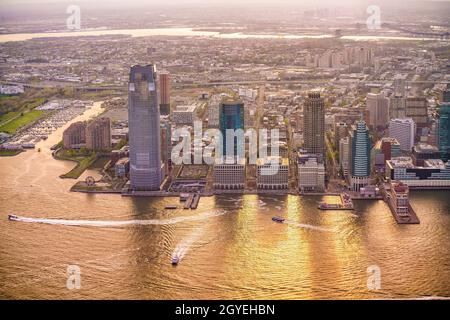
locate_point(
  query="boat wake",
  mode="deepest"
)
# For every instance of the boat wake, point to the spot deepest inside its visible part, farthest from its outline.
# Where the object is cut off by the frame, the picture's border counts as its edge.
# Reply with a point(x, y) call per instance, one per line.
point(307, 226)
point(183, 247)
point(119, 223)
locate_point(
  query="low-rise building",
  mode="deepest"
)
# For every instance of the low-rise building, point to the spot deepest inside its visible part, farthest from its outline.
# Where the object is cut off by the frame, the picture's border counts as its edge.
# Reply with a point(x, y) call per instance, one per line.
point(272, 173)
point(229, 175)
point(434, 174)
point(311, 172)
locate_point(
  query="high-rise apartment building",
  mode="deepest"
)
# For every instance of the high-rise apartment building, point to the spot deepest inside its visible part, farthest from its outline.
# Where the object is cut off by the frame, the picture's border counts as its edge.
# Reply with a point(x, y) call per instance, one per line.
point(98, 134)
point(144, 129)
point(74, 137)
point(314, 124)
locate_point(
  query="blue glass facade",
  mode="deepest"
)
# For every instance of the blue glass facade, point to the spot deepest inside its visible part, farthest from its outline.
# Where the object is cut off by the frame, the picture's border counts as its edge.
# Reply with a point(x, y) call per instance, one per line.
point(231, 116)
point(444, 131)
point(360, 153)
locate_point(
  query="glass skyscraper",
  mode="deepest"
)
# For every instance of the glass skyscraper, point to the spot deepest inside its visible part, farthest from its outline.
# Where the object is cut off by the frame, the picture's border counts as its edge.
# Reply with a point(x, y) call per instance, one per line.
point(231, 116)
point(360, 156)
point(144, 129)
point(444, 131)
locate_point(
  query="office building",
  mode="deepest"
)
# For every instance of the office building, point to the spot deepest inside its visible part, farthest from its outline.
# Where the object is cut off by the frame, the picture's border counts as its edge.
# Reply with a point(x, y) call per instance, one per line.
point(344, 155)
point(229, 175)
point(184, 114)
point(378, 107)
point(434, 174)
point(314, 124)
point(360, 146)
point(164, 87)
point(404, 131)
point(311, 172)
point(231, 117)
point(272, 173)
point(422, 152)
point(444, 131)
point(144, 129)
point(417, 109)
point(341, 130)
point(397, 107)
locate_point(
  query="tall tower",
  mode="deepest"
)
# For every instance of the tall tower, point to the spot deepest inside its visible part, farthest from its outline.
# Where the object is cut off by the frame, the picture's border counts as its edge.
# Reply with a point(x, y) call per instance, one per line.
point(360, 145)
point(314, 123)
point(164, 86)
point(378, 107)
point(144, 129)
point(444, 131)
point(231, 116)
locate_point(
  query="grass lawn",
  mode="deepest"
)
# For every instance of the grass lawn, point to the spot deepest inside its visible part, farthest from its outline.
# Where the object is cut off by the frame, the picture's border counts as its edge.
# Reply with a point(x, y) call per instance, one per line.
point(83, 162)
point(8, 116)
point(9, 153)
point(12, 126)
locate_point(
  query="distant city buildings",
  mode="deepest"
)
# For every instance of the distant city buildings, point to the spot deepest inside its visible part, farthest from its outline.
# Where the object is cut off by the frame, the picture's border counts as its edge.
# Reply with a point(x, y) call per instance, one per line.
point(404, 131)
point(360, 145)
point(314, 124)
point(144, 129)
point(397, 107)
point(311, 172)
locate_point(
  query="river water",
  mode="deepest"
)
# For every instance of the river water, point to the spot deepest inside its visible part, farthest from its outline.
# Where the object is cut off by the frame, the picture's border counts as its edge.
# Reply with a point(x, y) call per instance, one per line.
point(229, 247)
point(190, 32)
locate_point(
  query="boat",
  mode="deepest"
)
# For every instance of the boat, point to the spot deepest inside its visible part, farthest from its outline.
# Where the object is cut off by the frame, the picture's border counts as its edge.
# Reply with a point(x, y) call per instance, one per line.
point(13, 217)
point(171, 207)
point(278, 219)
point(175, 260)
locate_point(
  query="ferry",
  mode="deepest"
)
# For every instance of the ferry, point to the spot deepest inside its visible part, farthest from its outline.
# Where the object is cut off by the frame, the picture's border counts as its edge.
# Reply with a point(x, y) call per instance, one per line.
point(13, 217)
point(278, 219)
point(175, 260)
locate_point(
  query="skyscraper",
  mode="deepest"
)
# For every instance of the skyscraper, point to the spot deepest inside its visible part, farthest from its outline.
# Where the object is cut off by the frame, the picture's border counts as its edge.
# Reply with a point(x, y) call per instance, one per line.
point(231, 116)
point(360, 145)
point(314, 124)
point(144, 129)
point(444, 131)
point(404, 130)
point(164, 86)
point(378, 107)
